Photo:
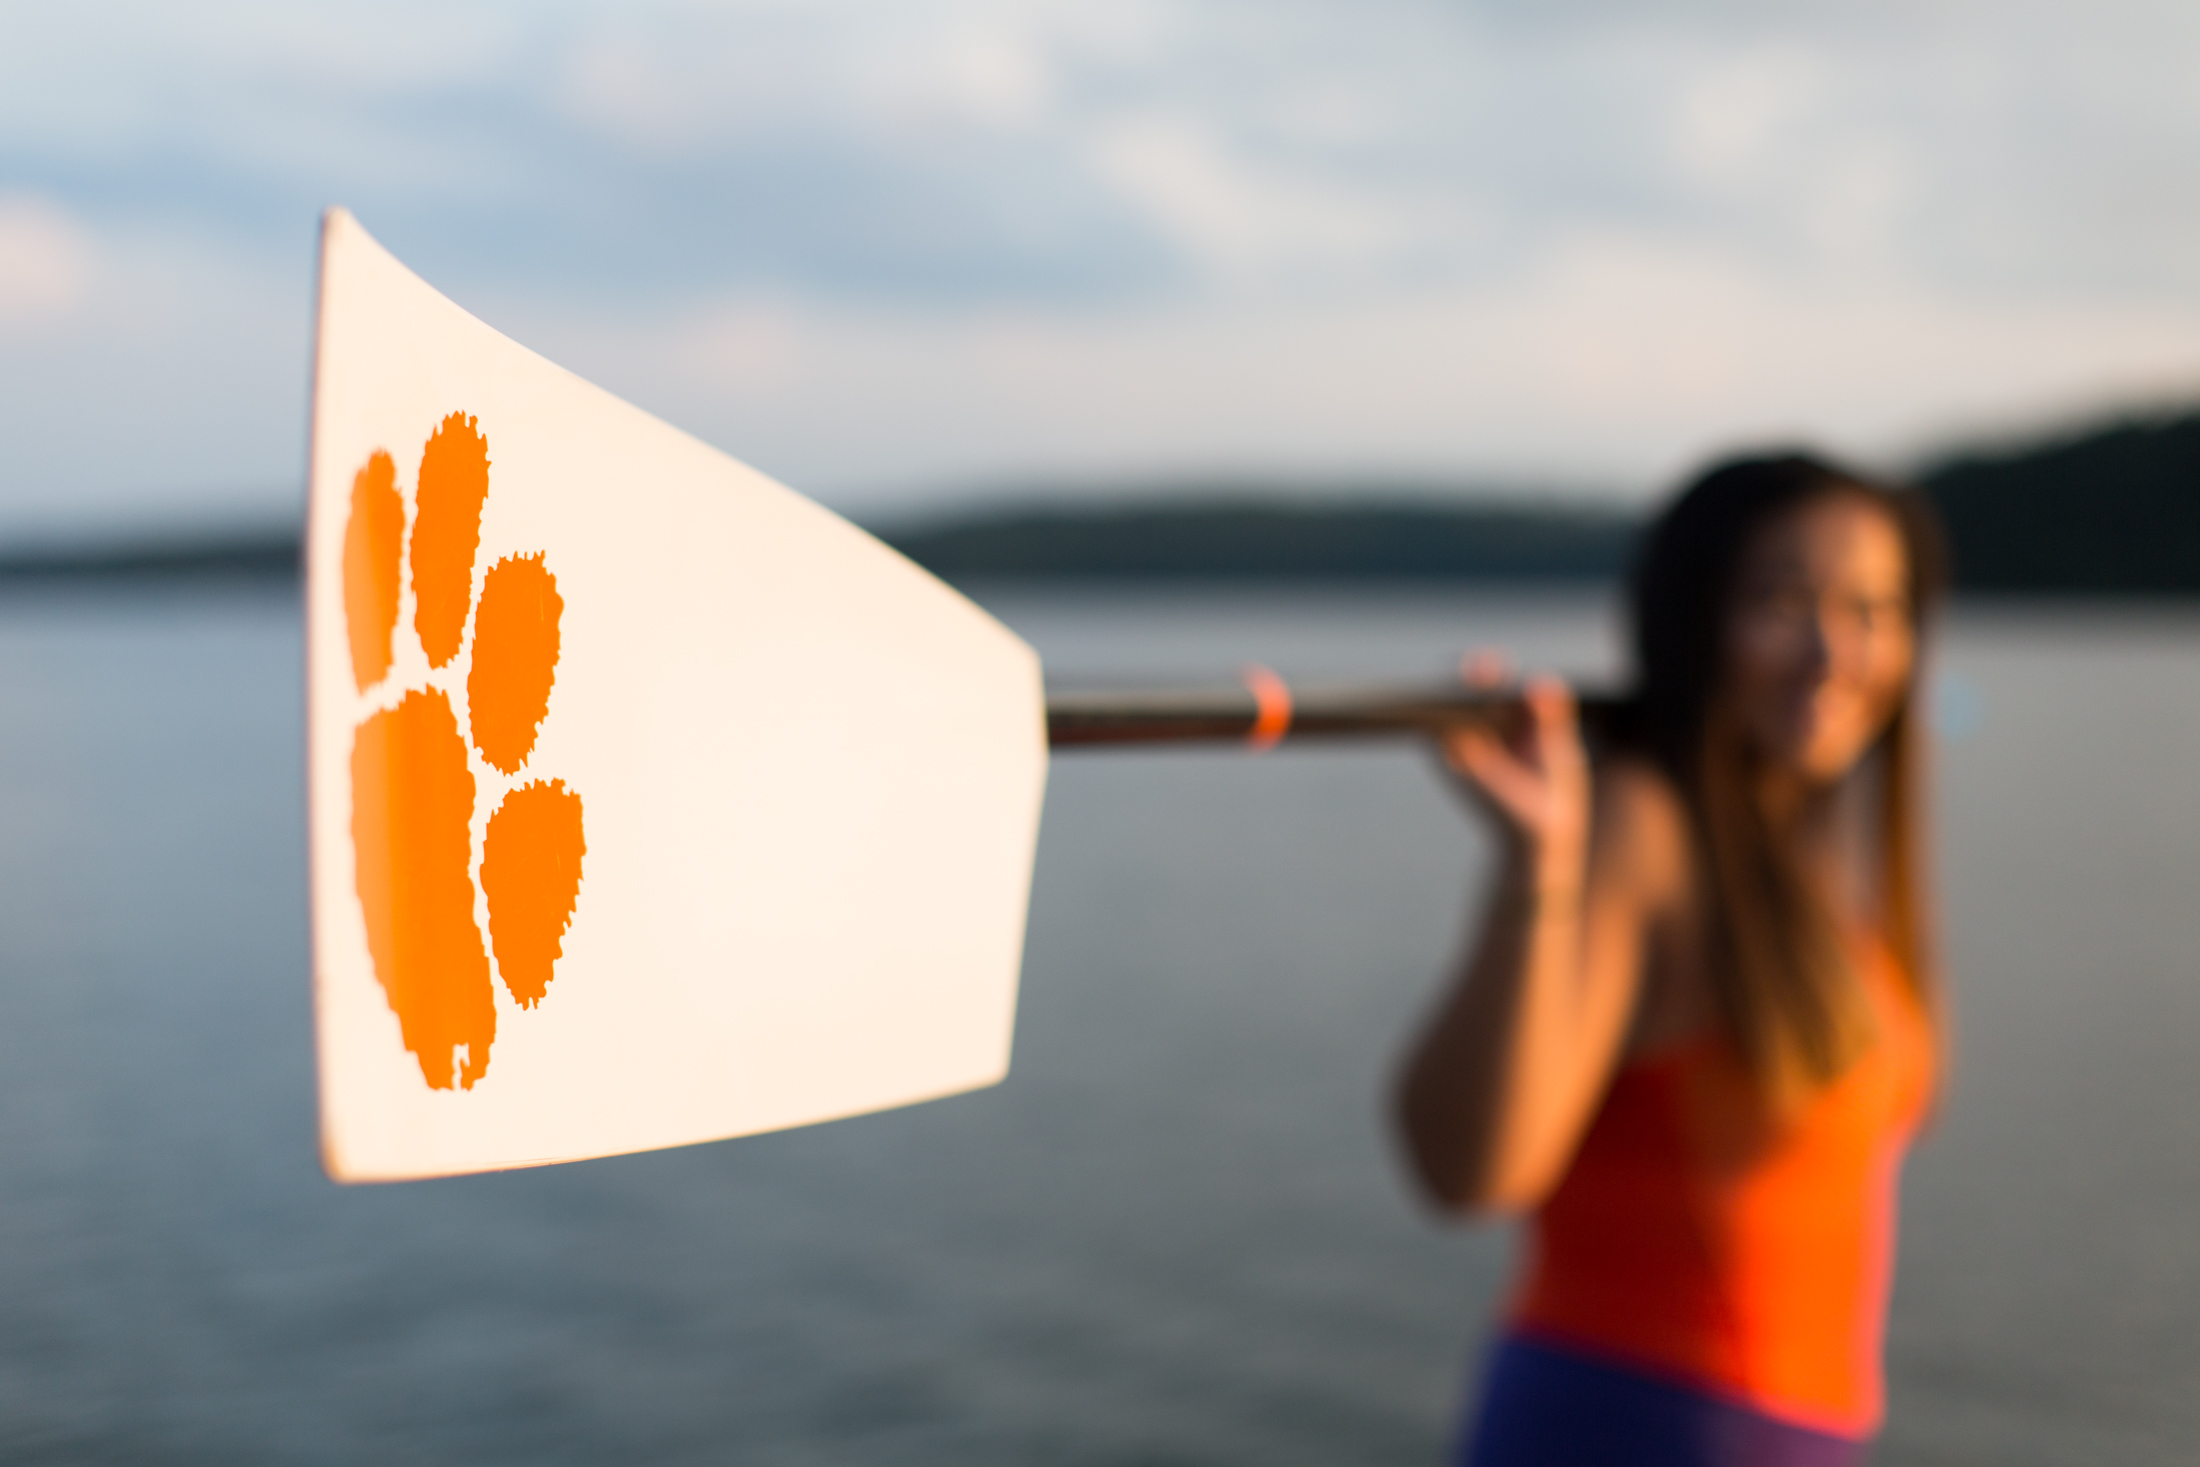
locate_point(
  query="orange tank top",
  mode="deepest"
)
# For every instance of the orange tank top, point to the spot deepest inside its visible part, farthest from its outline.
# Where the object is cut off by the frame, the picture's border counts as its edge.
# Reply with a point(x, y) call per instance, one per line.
point(1696, 1239)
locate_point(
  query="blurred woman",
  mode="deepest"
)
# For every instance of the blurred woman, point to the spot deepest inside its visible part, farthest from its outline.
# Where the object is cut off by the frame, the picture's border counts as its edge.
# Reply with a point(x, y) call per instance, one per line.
point(1700, 1022)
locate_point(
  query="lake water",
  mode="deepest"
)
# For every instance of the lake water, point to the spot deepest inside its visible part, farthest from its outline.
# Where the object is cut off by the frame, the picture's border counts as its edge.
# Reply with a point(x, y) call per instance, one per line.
point(1176, 1235)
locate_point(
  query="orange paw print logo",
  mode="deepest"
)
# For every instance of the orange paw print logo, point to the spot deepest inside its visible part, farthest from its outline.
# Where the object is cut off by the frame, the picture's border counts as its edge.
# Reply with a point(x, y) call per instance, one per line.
point(413, 785)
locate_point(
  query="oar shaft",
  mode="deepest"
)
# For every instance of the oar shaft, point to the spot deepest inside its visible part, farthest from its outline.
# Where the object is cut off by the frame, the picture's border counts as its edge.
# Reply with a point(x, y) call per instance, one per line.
point(1264, 713)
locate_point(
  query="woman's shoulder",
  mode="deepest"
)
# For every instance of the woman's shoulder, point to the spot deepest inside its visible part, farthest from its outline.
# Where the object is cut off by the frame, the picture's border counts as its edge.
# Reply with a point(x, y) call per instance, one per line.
point(1642, 823)
point(1641, 798)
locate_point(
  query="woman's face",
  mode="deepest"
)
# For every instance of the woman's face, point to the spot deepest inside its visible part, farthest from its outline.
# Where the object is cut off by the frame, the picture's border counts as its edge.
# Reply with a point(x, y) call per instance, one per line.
point(1819, 636)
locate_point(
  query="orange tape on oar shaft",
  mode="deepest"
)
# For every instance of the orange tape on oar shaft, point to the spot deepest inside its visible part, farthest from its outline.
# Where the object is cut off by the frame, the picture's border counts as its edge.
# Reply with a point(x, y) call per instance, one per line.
point(1218, 715)
point(1271, 708)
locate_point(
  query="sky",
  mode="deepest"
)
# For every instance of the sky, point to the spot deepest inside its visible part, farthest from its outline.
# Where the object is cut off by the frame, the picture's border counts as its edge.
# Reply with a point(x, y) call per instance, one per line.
point(910, 256)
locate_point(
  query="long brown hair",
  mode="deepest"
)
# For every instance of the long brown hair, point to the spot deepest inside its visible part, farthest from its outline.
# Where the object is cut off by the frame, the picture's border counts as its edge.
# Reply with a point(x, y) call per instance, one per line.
point(1780, 973)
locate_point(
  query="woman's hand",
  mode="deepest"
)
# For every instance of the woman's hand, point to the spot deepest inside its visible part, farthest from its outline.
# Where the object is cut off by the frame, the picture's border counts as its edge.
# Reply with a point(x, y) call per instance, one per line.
point(1533, 779)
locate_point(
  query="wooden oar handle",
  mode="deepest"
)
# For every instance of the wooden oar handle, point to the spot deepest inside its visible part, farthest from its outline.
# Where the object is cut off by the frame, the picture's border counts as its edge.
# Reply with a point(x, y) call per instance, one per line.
point(1264, 712)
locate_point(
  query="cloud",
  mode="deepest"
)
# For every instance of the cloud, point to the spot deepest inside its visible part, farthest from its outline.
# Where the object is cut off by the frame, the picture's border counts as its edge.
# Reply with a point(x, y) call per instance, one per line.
point(891, 249)
point(1639, 353)
point(1727, 123)
point(1241, 218)
point(172, 389)
point(45, 261)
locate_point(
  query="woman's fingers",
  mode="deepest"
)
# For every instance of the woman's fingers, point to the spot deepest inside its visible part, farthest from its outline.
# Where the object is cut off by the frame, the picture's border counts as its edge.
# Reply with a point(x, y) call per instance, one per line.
point(1502, 778)
point(1563, 761)
point(1553, 725)
point(1533, 775)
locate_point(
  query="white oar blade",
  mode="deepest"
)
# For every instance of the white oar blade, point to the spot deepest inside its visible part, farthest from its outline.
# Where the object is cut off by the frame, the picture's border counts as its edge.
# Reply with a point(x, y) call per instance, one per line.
point(650, 802)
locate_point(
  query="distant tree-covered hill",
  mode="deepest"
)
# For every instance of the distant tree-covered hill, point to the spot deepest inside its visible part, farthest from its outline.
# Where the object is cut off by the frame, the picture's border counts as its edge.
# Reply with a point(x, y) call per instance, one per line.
point(1245, 541)
point(2110, 511)
point(2116, 509)
point(259, 556)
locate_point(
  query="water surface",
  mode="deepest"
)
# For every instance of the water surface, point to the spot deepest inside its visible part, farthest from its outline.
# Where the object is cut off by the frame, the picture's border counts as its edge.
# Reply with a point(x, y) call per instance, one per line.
point(1175, 1235)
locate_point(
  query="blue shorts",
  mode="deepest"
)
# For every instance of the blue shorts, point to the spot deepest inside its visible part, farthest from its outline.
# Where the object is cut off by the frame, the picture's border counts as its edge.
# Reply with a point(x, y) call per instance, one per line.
point(1545, 1406)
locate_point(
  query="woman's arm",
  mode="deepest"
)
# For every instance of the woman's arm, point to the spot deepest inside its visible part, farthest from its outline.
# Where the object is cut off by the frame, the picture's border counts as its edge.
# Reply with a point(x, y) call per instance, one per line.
point(1495, 1094)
